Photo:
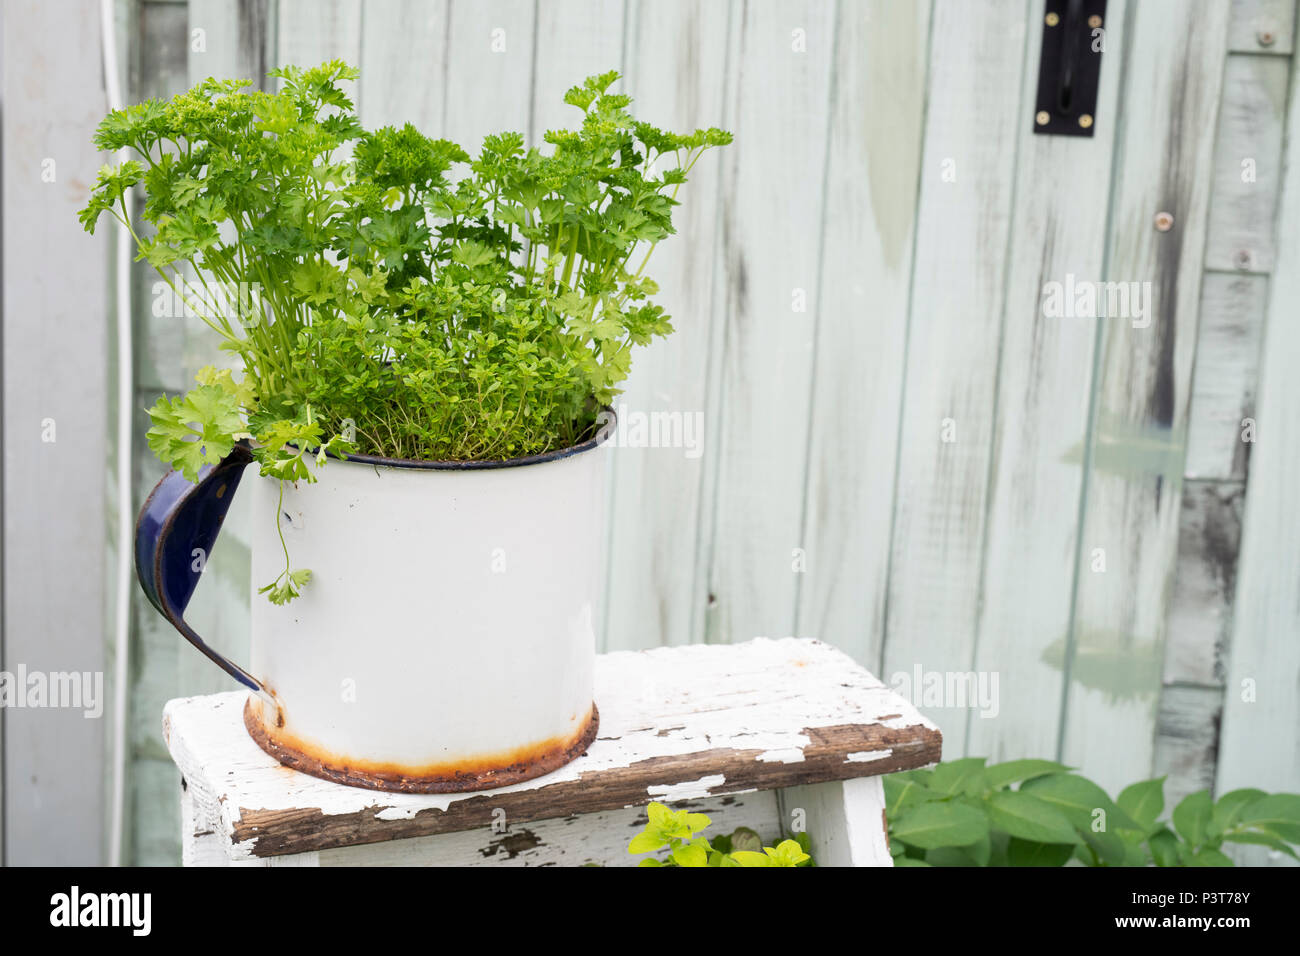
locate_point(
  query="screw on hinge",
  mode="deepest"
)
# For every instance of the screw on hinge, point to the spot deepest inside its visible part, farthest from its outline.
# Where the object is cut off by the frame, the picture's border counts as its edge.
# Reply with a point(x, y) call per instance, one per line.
point(1164, 221)
point(1094, 21)
point(1041, 118)
point(1085, 120)
point(1052, 19)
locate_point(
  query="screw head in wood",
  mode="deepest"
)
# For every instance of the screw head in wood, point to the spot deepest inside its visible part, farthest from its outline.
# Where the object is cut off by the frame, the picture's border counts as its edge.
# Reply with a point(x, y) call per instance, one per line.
point(1052, 19)
point(1041, 118)
point(1164, 221)
point(1094, 21)
point(1242, 259)
point(1265, 37)
point(1085, 120)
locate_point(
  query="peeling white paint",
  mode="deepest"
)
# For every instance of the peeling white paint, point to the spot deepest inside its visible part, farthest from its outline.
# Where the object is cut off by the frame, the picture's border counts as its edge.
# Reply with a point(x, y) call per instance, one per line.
point(398, 813)
point(687, 789)
point(867, 756)
point(789, 755)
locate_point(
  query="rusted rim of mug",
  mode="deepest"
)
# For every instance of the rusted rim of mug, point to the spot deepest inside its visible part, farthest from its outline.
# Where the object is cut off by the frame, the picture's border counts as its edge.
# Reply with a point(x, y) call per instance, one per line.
point(459, 782)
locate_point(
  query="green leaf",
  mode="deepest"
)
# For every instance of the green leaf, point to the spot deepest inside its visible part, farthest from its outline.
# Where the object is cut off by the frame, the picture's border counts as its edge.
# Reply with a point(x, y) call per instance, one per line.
point(1192, 816)
point(285, 588)
point(981, 849)
point(1262, 838)
point(1227, 809)
point(959, 776)
point(1002, 775)
point(695, 822)
point(1143, 801)
point(1110, 847)
point(786, 853)
point(1164, 847)
point(1029, 818)
point(939, 823)
point(950, 856)
point(1279, 813)
point(1079, 799)
point(1029, 853)
point(805, 844)
point(241, 392)
point(743, 838)
point(1209, 857)
point(1135, 852)
point(969, 854)
point(909, 861)
point(751, 858)
point(695, 853)
point(664, 824)
point(902, 791)
point(473, 254)
point(659, 816)
point(197, 429)
point(645, 842)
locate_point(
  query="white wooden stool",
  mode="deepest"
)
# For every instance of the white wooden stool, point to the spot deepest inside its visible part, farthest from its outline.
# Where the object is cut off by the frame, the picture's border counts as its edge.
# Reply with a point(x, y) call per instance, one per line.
point(776, 735)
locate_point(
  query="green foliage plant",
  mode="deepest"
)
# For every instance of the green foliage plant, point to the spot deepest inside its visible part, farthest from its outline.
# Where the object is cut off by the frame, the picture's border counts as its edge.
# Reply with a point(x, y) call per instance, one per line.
point(679, 832)
point(1040, 813)
point(383, 292)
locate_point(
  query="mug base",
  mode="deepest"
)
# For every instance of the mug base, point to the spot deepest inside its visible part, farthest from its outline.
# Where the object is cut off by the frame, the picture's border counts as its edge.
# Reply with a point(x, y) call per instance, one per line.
point(460, 777)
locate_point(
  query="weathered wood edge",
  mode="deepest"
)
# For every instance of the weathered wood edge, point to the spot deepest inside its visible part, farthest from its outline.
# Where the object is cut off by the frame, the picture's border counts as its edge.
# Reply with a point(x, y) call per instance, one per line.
point(841, 752)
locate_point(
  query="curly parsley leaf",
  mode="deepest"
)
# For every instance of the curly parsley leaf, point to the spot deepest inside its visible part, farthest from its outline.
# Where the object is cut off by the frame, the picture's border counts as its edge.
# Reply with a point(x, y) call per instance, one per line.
point(196, 429)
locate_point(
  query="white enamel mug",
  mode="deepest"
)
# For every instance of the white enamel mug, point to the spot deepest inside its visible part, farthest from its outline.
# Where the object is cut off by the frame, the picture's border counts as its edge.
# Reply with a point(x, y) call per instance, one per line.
point(447, 637)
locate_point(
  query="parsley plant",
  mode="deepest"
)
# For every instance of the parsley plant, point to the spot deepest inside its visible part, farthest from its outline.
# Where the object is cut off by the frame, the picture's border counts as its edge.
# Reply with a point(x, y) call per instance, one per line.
point(410, 301)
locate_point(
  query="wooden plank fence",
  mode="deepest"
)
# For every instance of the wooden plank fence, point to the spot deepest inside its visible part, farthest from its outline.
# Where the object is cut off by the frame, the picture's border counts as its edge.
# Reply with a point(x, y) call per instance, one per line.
point(902, 450)
point(55, 390)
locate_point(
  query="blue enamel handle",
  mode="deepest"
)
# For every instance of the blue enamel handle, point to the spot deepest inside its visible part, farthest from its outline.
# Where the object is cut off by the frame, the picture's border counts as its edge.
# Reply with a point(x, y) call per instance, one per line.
point(179, 517)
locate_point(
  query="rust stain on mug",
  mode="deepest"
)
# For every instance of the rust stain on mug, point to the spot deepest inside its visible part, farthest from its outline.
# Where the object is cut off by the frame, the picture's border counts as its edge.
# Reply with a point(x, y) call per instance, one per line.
point(459, 776)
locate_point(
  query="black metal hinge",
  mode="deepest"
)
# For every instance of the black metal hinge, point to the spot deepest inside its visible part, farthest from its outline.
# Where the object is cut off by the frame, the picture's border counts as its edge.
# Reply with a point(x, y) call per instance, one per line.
point(1074, 36)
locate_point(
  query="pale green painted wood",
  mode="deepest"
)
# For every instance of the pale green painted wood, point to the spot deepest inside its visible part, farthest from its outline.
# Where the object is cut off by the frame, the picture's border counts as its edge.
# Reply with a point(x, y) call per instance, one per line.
point(1199, 622)
point(403, 66)
point(1174, 68)
point(1226, 370)
point(1200, 610)
point(1187, 740)
point(56, 338)
point(170, 347)
point(676, 73)
point(572, 40)
point(461, 70)
point(488, 83)
point(1045, 382)
point(234, 42)
point(778, 90)
point(873, 175)
point(973, 124)
point(1261, 718)
point(1247, 157)
point(169, 351)
point(1262, 26)
point(313, 31)
point(1241, 236)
